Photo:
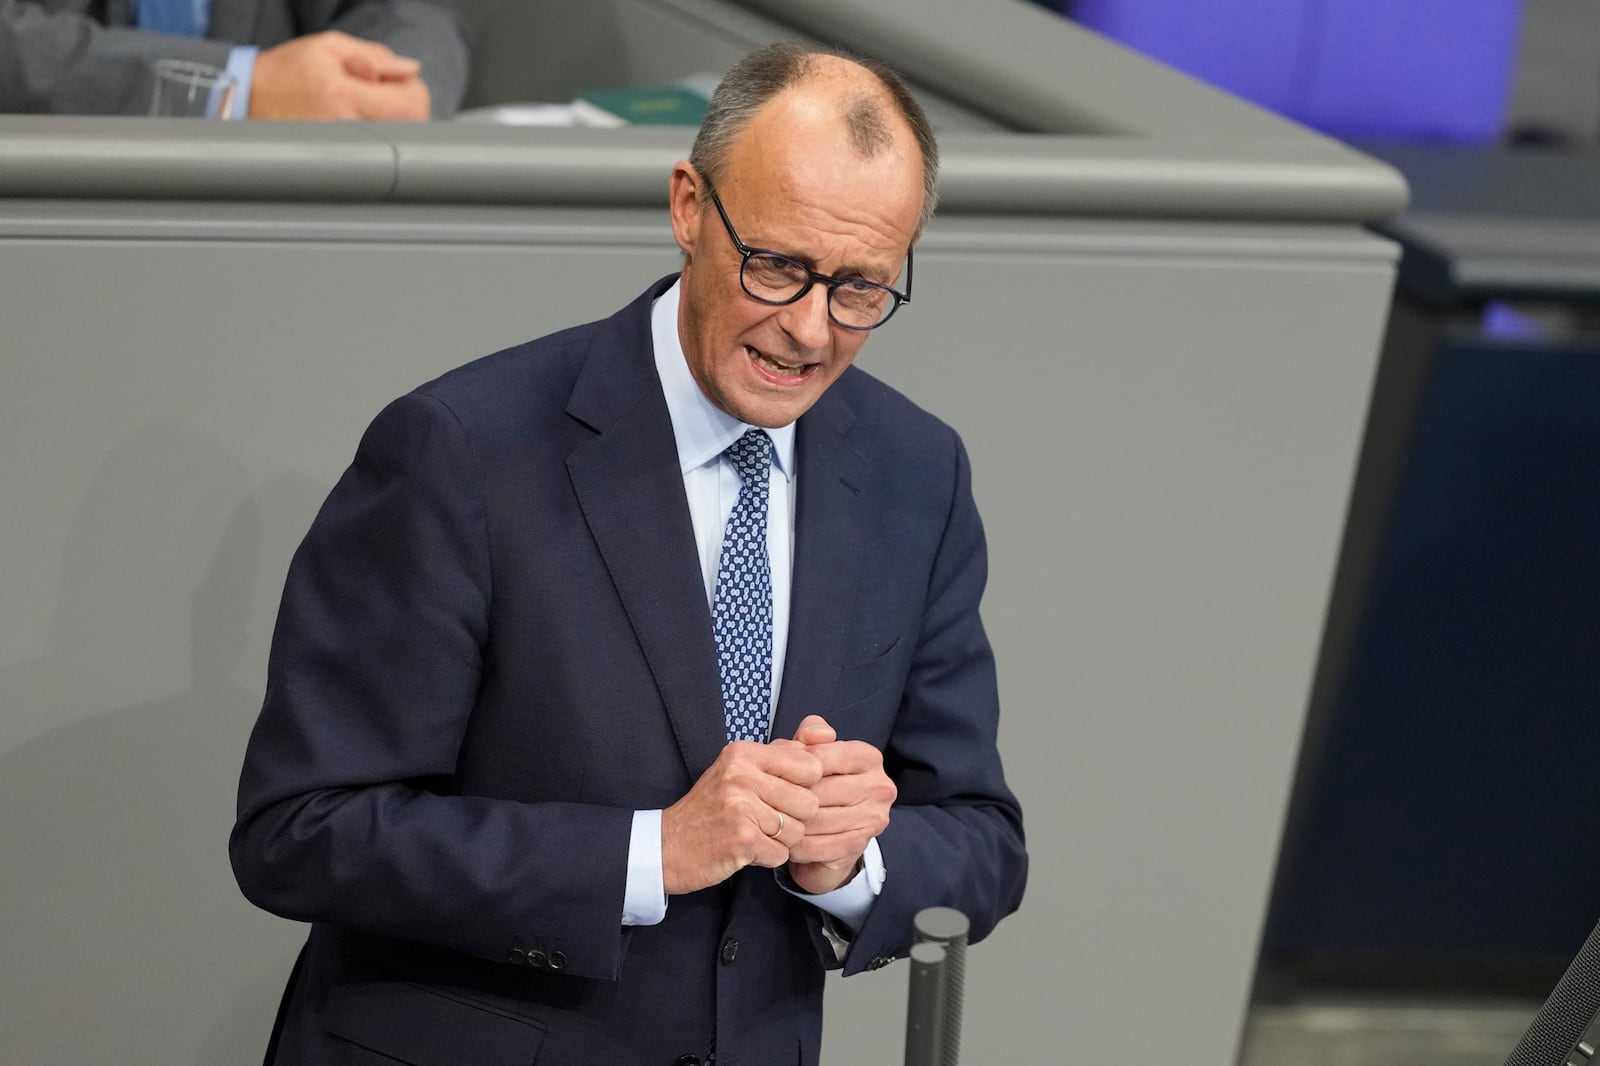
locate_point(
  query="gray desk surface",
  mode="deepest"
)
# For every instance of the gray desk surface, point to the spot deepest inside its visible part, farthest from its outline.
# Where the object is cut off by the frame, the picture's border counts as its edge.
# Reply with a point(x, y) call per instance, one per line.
point(1498, 223)
point(983, 173)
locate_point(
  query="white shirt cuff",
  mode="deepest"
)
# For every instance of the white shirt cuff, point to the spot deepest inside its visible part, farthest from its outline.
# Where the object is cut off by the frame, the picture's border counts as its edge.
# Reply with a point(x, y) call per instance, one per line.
point(851, 901)
point(645, 901)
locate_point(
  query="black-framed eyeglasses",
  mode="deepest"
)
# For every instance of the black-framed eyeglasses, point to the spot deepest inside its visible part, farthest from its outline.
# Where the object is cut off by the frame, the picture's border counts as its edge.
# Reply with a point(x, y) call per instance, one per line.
point(778, 279)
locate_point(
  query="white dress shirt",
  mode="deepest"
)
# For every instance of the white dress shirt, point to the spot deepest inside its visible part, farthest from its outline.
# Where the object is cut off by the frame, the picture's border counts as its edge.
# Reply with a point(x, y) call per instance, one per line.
point(703, 432)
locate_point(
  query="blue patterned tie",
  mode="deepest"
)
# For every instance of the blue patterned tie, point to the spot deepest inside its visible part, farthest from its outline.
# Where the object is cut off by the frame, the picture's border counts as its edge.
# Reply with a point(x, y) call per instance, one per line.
point(742, 613)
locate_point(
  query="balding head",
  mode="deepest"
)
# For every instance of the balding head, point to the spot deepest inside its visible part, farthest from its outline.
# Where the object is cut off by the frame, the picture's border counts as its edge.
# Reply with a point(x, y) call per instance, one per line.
point(871, 101)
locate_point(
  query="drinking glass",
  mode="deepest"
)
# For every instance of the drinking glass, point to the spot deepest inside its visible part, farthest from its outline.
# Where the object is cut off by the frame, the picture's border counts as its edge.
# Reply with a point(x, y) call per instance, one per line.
point(184, 89)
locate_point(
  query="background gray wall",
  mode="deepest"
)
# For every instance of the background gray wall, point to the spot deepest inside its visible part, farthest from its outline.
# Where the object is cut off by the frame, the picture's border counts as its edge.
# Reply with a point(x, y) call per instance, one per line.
point(1557, 83)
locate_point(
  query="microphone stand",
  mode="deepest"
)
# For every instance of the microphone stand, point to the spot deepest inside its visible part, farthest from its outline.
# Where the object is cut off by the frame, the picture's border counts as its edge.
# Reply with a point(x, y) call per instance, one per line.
point(938, 980)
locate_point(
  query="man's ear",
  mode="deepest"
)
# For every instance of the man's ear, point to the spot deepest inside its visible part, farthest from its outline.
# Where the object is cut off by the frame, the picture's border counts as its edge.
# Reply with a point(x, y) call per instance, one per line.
point(686, 203)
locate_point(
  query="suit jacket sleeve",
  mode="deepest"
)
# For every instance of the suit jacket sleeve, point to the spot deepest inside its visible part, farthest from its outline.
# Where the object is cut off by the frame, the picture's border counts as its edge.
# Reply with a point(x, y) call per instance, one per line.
point(955, 834)
point(64, 62)
point(58, 60)
point(346, 806)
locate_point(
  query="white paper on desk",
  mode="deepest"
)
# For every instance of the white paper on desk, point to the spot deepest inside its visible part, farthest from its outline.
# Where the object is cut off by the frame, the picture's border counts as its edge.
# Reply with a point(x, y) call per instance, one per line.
point(520, 115)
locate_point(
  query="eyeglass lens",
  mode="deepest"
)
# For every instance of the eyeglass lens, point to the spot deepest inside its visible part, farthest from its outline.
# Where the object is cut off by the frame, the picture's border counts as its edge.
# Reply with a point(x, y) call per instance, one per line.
point(777, 279)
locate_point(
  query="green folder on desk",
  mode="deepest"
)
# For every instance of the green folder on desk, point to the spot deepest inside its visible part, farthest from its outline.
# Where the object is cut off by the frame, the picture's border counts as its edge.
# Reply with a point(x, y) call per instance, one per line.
point(657, 105)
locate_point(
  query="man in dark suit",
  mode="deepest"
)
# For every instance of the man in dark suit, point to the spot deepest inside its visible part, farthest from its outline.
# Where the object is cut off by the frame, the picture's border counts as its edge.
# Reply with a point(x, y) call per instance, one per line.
point(633, 677)
point(294, 59)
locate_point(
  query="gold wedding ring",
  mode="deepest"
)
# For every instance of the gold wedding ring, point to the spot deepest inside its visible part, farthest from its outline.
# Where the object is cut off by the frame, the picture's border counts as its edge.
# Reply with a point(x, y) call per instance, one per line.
point(776, 833)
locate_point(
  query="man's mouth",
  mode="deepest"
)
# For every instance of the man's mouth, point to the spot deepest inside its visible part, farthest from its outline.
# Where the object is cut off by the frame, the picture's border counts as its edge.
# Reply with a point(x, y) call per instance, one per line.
point(779, 367)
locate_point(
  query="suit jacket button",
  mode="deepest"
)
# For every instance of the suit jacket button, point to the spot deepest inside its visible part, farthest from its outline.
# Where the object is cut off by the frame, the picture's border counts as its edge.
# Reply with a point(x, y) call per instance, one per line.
point(730, 950)
point(518, 957)
point(558, 960)
point(687, 1060)
point(537, 959)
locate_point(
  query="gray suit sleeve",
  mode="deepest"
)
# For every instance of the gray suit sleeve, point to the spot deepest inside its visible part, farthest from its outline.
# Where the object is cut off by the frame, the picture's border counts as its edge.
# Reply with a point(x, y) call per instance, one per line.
point(66, 63)
point(431, 31)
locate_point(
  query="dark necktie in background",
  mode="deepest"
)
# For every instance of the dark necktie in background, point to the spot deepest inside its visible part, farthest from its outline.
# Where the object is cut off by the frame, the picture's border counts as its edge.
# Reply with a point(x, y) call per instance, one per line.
point(185, 18)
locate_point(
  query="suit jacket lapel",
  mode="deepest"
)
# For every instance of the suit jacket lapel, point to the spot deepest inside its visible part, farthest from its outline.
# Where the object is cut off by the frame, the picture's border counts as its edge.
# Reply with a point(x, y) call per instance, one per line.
point(834, 490)
point(630, 488)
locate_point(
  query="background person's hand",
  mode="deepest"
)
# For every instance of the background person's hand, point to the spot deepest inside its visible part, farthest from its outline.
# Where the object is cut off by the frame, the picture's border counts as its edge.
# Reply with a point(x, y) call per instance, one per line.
point(730, 818)
point(335, 76)
point(853, 796)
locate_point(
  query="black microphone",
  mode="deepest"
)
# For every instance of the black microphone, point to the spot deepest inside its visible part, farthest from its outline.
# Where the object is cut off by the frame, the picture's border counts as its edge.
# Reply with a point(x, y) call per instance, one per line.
point(938, 981)
point(1566, 1031)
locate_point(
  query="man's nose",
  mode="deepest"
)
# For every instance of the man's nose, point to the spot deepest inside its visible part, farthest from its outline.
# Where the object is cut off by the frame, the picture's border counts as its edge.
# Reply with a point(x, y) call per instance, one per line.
point(807, 321)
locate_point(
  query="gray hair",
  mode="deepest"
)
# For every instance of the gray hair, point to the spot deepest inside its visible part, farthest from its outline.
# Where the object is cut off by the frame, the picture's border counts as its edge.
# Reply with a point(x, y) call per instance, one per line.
point(768, 71)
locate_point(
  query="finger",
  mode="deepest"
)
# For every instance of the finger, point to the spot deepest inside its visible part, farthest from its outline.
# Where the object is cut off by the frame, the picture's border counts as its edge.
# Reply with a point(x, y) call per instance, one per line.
point(798, 803)
point(837, 851)
point(860, 822)
point(842, 790)
point(785, 830)
point(370, 61)
point(763, 829)
point(403, 69)
point(782, 758)
point(870, 787)
point(769, 853)
point(767, 848)
point(848, 757)
point(814, 729)
point(387, 101)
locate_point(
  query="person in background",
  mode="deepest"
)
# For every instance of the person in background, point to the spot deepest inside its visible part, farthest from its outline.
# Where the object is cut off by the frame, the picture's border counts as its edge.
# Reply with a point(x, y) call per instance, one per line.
point(294, 59)
point(632, 678)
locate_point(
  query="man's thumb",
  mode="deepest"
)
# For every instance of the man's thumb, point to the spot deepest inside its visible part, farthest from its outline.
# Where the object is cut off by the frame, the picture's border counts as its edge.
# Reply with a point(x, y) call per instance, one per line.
point(815, 730)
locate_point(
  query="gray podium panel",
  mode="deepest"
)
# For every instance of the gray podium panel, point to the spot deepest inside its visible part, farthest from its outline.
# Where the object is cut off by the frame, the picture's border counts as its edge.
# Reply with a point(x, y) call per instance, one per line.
point(1157, 435)
point(1162, 417)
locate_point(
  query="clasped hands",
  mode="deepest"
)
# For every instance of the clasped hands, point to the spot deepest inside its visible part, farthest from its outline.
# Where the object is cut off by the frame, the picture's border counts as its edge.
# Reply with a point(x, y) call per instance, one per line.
point(333, 75)
point(812, 802)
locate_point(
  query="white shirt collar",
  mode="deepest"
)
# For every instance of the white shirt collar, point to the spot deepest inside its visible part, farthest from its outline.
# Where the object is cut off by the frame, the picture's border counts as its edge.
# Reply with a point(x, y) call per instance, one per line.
point(703, 430)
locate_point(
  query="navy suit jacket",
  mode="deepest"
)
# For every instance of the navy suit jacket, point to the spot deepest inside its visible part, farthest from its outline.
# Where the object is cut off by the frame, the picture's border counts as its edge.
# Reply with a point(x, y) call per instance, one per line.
point(494, 647)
